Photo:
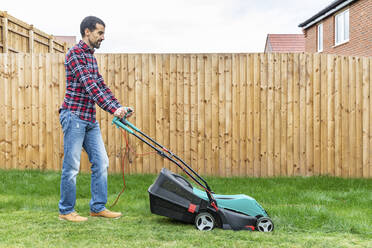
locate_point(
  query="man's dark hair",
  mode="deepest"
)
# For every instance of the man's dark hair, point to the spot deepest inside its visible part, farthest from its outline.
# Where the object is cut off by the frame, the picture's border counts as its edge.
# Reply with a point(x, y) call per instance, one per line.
point(90, 23)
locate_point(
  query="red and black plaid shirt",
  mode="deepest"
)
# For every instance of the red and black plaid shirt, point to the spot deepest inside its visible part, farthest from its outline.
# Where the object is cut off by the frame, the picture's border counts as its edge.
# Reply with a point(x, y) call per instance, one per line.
point(85, 86)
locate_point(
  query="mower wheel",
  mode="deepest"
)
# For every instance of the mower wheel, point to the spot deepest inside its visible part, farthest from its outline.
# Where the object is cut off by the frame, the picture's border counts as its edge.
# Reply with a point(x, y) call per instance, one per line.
point(265, 224)
point(204, 221)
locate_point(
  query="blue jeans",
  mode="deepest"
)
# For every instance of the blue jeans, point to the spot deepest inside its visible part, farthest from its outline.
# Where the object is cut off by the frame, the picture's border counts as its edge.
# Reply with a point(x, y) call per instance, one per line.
point(78, 134)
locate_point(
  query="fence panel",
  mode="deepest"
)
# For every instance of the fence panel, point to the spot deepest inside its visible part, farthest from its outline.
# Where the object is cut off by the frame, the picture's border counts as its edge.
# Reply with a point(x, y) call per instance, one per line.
point(225, 114)
point(19, 37)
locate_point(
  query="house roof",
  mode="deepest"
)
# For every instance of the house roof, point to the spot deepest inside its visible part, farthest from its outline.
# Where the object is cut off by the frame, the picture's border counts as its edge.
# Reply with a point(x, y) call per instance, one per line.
point(329, 10)
point(67, 39)
point(285, 43)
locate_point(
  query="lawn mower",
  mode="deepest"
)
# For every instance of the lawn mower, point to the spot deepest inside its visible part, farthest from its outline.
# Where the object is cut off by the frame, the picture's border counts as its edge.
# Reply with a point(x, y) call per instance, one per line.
point(173, 196)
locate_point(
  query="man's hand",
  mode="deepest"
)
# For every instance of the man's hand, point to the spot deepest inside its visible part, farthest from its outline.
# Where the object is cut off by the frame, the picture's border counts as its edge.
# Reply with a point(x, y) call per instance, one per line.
point(121, 112)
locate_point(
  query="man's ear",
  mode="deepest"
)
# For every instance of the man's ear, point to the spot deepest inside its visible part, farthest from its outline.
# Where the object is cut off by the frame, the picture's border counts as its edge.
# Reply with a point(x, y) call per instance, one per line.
point(86, 31)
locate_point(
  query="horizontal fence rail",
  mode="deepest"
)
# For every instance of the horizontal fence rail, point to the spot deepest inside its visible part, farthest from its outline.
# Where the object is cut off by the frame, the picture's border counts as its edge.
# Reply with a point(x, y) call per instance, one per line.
point(224, 114)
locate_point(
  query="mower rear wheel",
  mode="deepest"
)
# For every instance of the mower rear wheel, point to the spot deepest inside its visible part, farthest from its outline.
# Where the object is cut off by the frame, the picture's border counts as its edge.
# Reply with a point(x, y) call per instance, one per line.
point(204, 221)
point(265, 224)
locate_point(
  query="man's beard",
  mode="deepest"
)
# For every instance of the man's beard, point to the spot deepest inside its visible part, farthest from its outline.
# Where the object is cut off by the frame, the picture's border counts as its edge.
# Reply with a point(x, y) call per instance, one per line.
point(96, 44)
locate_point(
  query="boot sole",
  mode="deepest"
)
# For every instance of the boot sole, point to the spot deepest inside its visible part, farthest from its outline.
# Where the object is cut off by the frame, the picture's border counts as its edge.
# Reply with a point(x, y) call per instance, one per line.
point(71, 220)
point(99, 216)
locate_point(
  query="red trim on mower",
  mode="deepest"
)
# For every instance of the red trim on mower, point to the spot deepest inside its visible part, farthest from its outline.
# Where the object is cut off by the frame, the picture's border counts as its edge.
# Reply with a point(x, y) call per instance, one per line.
point(252, 228)
point(192, 208)
point(213, 204)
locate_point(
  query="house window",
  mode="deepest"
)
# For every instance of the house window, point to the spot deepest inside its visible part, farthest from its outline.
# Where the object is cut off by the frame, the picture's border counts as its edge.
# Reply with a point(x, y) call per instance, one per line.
point(320, 37)
point(342, 27)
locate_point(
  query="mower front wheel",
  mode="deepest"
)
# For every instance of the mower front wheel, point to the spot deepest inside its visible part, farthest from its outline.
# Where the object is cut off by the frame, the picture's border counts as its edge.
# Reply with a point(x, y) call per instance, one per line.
point(205, 221)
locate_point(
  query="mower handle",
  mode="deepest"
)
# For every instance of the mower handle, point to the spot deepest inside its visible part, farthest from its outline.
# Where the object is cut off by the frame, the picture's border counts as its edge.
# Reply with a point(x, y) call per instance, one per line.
point(132, 129)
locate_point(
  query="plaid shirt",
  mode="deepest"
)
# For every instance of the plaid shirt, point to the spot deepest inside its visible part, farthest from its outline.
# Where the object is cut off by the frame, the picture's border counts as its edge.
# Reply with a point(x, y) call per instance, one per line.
point(85, 86)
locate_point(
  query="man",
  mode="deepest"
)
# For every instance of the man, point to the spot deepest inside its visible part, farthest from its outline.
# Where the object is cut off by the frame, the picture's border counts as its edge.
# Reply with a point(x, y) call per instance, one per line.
point(85, 88)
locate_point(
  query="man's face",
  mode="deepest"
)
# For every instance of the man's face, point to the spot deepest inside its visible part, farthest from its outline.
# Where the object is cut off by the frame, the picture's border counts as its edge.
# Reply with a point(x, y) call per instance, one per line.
point(95, 37)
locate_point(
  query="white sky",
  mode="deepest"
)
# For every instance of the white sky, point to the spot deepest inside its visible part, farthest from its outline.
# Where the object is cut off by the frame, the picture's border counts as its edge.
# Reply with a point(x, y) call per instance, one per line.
point(171, 26)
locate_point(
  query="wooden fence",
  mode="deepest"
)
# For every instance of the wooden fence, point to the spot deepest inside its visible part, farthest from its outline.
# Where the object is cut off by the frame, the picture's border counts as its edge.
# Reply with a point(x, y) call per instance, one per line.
point(17, 36)
point(225, 114)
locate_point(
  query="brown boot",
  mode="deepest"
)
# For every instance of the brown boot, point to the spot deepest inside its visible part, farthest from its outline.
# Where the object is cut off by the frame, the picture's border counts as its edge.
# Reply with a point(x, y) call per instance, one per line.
point(106, 214)
point(73, 217)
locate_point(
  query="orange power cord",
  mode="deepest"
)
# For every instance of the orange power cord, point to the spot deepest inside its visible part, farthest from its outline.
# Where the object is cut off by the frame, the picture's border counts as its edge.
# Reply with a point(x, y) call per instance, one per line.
point(129, 149)
point(126, 151)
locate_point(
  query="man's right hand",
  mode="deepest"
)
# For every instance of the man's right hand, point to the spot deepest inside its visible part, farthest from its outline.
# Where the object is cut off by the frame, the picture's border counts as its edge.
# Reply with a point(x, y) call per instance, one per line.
point(121, 112)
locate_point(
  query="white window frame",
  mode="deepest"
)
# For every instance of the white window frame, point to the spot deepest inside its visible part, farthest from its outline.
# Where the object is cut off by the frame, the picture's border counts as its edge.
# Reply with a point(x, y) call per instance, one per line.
point(320, 37)
point(342, 27)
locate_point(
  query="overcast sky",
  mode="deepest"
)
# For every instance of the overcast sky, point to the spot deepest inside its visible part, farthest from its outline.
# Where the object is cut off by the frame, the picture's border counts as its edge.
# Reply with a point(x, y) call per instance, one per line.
point(171, 26)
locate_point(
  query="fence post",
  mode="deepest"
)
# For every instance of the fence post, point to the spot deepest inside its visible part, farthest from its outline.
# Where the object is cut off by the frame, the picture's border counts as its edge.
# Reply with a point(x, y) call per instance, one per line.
point(65, 49)
point(51, 39)
point(5, 33)
point(31, 39)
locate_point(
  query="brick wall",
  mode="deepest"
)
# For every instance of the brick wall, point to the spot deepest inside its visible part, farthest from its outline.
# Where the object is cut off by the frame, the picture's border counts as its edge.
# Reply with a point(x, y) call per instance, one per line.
point(360, 36)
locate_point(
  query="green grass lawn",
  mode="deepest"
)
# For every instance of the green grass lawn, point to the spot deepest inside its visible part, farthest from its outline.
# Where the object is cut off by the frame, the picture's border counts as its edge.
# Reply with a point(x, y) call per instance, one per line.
point(307, 212)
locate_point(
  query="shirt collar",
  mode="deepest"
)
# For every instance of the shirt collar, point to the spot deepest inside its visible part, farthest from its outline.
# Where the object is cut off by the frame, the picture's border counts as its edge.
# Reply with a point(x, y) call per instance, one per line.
point(85, 47)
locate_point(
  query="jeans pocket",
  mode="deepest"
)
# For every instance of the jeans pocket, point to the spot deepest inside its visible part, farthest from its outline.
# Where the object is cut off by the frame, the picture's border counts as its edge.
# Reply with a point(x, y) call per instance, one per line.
point(64, 119)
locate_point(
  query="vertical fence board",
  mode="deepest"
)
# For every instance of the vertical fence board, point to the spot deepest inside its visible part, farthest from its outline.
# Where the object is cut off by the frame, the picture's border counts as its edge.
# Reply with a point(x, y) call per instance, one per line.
point(240, 126)
point(352, 119)
point(54, 111)
point(323, 107)
point(117, 94)
point(180, 107)
point(309, 122)
point(215, 115)
point(42, 104)
point(338, 115)
point(345, 110)
point(124, 86)
point(194, 113)
point(173, 104)
point(27, 110)
point(302, 114)
point(48, 110)
point(110, 141)
point(21, 112)
point(132, 167)
point(270, 125)
point(62, 92)
point(166, 105)
point(366, 117)
point(359, 116)
point(6, 83)
point(256, 117)
point(145, 109)
point(186, 109)
point(249, 103)
point(290, 119)
point(201, 117)
point(317, 114)
point(284, 110)
point(277, 113)
point(159, 124)
point(140, 73)
point(209, 118)
point(221, 116)
point(296, 113)
point(3, 118)
point(331, 115)
point(229, 153)
point(264, 115)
